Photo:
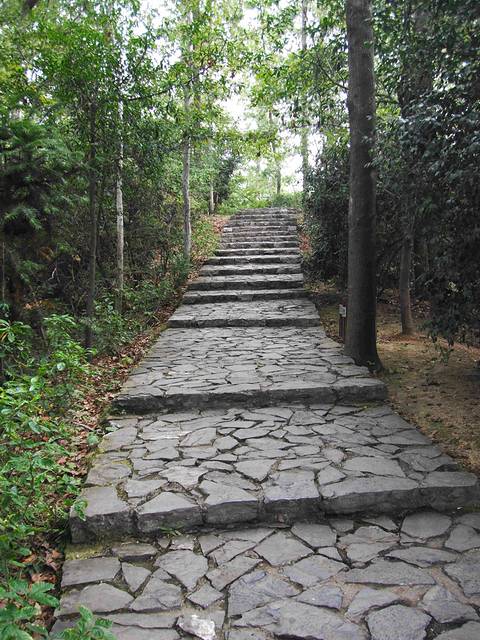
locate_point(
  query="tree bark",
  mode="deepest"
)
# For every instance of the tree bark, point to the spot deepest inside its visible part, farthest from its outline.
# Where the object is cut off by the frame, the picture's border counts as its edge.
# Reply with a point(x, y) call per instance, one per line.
point(408, 327)
point(211, 200)
point(120, 214)
point(304, 131)
point(187, 221)
point(92, 208)
point(360, 341)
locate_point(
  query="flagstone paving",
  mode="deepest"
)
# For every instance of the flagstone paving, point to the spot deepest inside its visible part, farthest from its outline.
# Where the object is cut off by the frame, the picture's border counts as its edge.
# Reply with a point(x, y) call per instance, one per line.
point(254, 485)
point(337, 579)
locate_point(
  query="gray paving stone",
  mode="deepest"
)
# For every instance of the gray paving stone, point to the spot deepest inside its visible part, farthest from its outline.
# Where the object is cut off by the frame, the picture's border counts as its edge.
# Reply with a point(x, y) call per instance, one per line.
point(426, 524)
point(367, 599)
point(445, 607)
point(168, 510)
point(316, 535)
point(256, 589)
point(230, 571)
point(226, 504)
point(133, 633)
point(278, 549)
point(463, 538)
point(158, 595)
point(466, 571)
point(78, 572)
point(134, 551)
point(313, 569)
point(292, 619)
point(134, 576)
point(100, 598)
point(470, 519)
point(423, 556)
point(389, 573)
point(199, 625)
point(104, 512)
point(187, 567)
point(363, 494)
point(205, 596)
point(329, 596)
point(398, 622)
point(164, 620)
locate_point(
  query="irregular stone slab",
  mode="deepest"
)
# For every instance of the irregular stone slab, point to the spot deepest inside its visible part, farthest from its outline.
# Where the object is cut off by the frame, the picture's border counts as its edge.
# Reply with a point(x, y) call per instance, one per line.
point(104, 512)
point(445, 607)
point(467, 572)
point(187, 567)
point(168, 510)
point(423, 556)
point(463, 538)
point(449, 489)
point(100, 598)
point(134, 551)
point(329, 596)
point(144, 620)
point(292, 619)
point(316, 535)
point(313, 569)
point(229, 550)
point(199, 626)
point(226, 504)
point(141, 488)
point(367, 599)
point(256, 589)
point(398, 622)
point(134, 633)
point(471, 520)
point(279, 549)
point(468, 631)
point(426, 524)
point(363, 494)
point(205, 596)
point(158, 595)
point(391, 573)
point(255, 469)
point(134, 576)
point(77, 572)
point(375, 466)
point(230, 571)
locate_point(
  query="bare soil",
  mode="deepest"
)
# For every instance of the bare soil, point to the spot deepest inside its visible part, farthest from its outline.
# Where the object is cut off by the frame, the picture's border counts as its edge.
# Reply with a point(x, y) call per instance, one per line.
point(440, 395)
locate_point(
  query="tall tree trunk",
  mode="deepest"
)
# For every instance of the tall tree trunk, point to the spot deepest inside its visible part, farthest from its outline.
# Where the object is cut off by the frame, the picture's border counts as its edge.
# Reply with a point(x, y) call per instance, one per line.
point(278, 179)
point(120, 216)
point(187, 221)
point(278, 165)
point(211, 200)
point(304, 131)
point(360, 342)
point(408, 328)
point(92, 209)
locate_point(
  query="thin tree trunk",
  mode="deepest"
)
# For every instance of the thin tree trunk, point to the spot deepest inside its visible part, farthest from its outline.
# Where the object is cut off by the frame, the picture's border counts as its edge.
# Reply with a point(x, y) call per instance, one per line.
point(211, 200)
point(304, 131)
point(360, 341)
point(92, 208)
point(278, 166)
point(120, 215)
point(408, 327)
point(187, 222)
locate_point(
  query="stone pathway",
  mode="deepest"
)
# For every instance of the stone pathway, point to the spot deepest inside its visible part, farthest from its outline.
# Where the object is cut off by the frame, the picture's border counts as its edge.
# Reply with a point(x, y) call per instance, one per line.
point(255, 486)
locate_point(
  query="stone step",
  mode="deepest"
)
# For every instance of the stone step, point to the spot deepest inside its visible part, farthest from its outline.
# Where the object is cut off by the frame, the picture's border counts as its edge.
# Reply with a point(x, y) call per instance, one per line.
point(247, 269)
point(216, 367)
point(242, 237)
point(260, 226)
point(254, 281)
point(255, 259)
point(242, 295)
point(269, 313)
point(295, 251)
point(258, 244)
point(333, 578)
point(283, 463)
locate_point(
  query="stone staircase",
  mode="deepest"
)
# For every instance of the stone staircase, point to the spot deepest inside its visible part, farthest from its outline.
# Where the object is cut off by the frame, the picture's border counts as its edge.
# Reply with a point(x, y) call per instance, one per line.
point(254, 484)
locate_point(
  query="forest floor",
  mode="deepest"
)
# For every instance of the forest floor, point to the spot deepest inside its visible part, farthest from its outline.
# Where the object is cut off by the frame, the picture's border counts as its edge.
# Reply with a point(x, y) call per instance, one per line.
point(439, 395)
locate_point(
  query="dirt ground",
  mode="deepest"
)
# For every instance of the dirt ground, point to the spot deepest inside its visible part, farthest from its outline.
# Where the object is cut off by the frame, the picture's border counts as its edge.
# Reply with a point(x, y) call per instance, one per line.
point(442, 398)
